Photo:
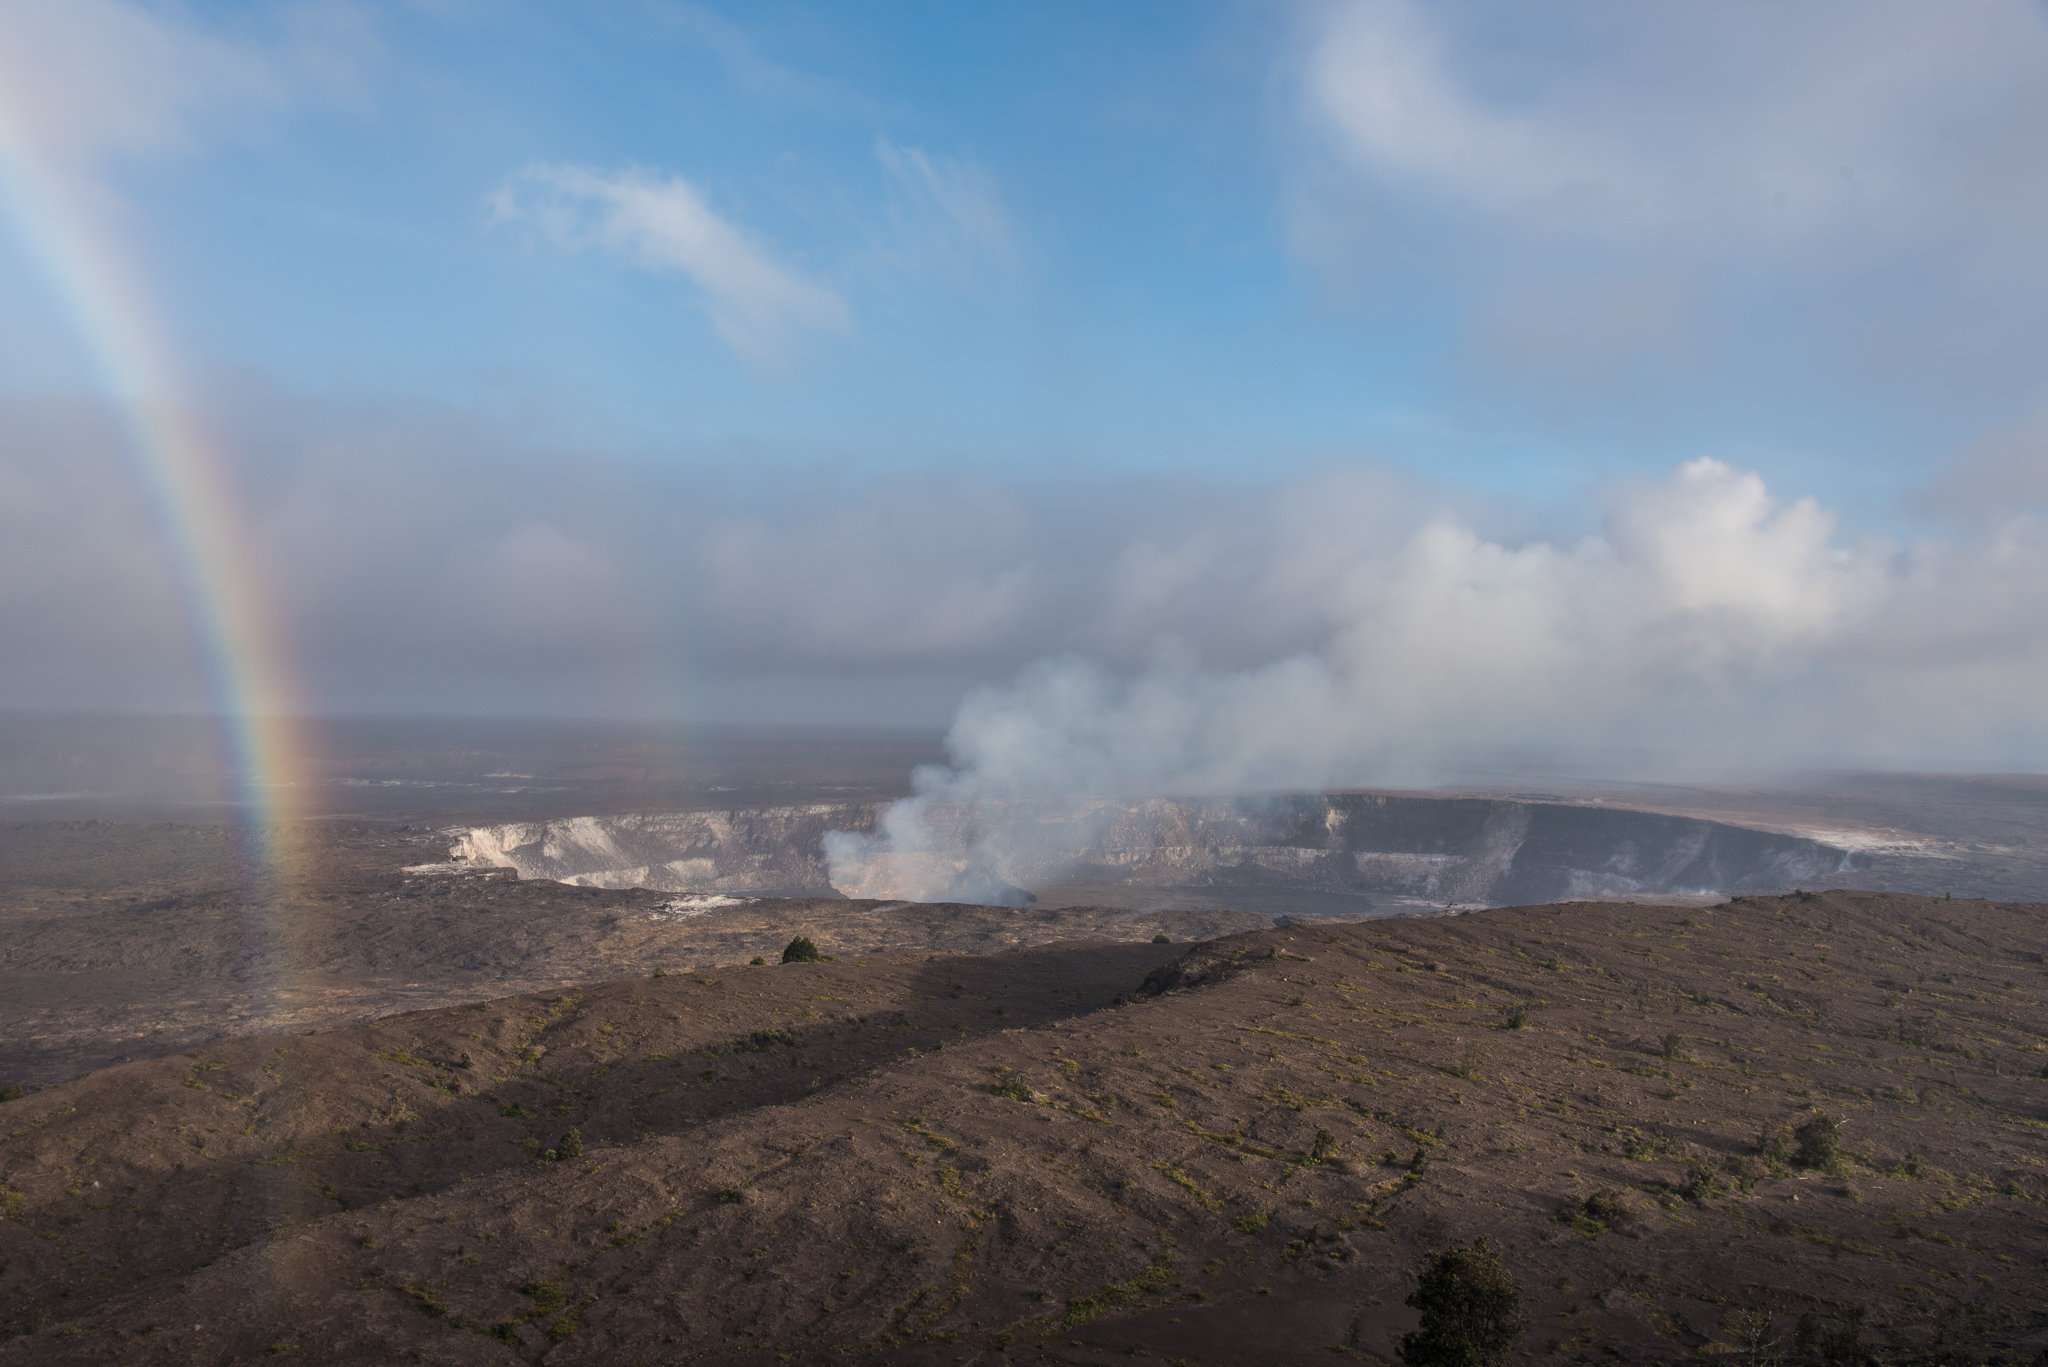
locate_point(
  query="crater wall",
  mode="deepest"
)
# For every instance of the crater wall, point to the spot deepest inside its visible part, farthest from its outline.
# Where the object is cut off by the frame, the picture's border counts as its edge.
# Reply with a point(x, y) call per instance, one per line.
point(1370, 846)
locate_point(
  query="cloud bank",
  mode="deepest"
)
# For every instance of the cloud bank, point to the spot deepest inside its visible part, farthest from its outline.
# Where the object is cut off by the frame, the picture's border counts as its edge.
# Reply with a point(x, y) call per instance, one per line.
point(1342, 625)
point(1618, 184)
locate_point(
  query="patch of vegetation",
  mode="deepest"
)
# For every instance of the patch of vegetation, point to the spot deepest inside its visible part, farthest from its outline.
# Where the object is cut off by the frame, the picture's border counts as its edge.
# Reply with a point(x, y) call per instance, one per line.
point(1819, 1143)
point(1836, 1341)
point(1596, 1214)
point(1162, 939)
point(423, 1300)
point(754, 1042)
point(1249, 1224)
point(1013, 1087)
point(548, 1297)
point(1515, 1017)
point(1151, 1281)
point(1197, 968)
point(802, 951)
point(12, 1092)
point(1471, 1309)
point(1702, 1181)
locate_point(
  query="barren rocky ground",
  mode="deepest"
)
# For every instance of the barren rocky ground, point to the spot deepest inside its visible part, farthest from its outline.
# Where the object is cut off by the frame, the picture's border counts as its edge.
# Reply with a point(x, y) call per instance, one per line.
point(123, 941)
point(1084, 1151)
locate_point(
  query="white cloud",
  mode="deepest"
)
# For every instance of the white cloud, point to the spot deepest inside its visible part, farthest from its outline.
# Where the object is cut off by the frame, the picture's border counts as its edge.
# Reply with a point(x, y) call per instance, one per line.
point(1341, 626)
point(949, 213)
point(759, 305)
point(1712, 125)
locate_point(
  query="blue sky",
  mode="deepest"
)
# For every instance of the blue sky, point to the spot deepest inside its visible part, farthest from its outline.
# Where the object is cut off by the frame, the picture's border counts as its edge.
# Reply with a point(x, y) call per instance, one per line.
point(1108, 237)
point(781, 265)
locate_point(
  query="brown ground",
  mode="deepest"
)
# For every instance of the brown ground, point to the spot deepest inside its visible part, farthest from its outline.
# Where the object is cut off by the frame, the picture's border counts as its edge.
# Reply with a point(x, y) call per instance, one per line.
point(127, 941)
point(930, 1158)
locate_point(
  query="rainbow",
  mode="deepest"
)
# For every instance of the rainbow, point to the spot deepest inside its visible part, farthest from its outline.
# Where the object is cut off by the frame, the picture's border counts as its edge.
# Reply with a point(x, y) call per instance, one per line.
point(180, 467)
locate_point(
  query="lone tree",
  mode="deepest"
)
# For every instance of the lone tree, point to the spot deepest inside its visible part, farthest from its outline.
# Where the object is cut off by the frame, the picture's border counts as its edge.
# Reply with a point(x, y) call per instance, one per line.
point(1469, 1306)
point(1820, 1143)
point(801, 951)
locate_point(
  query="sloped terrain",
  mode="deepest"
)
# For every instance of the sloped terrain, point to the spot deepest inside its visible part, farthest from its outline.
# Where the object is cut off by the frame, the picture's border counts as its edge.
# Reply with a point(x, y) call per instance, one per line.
point(105, 964)
point(1231, 1153)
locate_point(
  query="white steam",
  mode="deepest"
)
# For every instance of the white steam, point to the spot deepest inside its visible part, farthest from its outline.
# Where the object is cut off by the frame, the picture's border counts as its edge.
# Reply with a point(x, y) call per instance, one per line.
point(1708, 626)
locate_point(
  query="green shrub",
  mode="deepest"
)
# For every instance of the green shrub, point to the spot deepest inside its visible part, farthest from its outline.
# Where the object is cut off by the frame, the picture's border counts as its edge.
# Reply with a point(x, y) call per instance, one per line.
point(1819, 1143)
point(1774, 1144)
point(1596, 1214)
point(757, 962)
point(1325, 1147)
point(1671, 1046)
point(1013, 1088)
point(571, 1145)
point(1248, 1224)
point(12, 1092)
point(1162, 939)
point(761, 1041)
point(1702, 1181)
point(548, 1297)
point(1514, 1017)
point(1470, 1310)
point(801, 951)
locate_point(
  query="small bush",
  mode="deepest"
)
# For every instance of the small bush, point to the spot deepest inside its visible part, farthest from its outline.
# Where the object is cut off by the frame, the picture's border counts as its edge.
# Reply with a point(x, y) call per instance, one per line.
point(1671, 1046)
point(1774, 1144)
point(1324, 1148)
point(757, 962)
point(513, 1109)
point(548, 1297)
point(1470, 1310)
point(1514, 1017)
point(1819, 1143)
point(801, 951)
point(571, 1145)
point(12, 1092)
point(1596, 1214)
point(1702, 1181)
point(1838, 1344)
point(1014, 1088)
point(1248, 1224)
point(1162, 939)
point(1750, 1332)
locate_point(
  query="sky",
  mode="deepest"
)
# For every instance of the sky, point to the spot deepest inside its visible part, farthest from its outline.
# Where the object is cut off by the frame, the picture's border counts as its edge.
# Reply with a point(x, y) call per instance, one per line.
point(1210, 394)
